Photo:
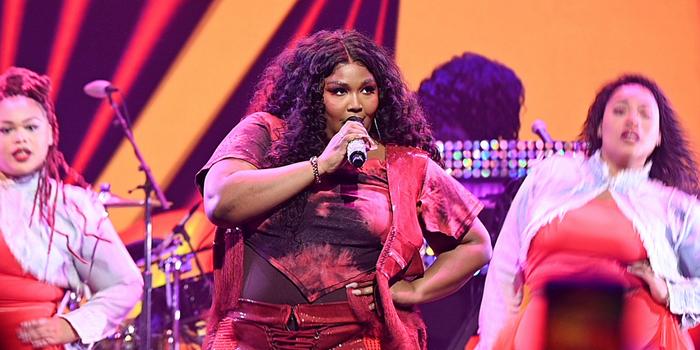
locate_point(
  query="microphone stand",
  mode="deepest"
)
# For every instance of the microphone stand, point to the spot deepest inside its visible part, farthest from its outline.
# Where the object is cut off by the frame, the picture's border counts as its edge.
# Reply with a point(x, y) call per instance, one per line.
point(180, 229)
point(150, 185)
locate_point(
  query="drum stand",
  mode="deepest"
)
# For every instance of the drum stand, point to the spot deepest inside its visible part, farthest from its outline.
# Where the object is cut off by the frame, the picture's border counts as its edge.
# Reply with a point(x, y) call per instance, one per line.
point(173, 267)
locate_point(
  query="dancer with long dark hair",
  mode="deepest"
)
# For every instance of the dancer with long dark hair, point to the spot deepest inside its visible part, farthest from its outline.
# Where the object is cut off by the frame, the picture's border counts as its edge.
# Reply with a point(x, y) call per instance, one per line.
point(625, 215)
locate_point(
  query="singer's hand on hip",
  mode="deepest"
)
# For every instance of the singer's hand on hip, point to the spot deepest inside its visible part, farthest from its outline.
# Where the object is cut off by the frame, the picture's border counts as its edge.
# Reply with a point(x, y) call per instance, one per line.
point(363, 289)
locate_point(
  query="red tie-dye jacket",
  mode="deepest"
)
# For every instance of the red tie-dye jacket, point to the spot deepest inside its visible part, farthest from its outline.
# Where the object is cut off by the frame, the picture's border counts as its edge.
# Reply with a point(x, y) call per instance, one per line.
point(408, 171)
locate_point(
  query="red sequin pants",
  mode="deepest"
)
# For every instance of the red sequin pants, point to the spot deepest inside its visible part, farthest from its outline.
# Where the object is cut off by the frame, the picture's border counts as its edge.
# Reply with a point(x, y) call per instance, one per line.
point(257, 325)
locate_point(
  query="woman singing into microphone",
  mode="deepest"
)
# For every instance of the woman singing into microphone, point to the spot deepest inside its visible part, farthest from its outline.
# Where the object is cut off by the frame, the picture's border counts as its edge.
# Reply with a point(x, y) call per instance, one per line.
point(327, 253)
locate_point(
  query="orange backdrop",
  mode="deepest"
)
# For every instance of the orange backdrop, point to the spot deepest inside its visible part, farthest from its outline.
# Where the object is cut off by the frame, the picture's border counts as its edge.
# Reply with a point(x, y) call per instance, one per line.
point(562, 50)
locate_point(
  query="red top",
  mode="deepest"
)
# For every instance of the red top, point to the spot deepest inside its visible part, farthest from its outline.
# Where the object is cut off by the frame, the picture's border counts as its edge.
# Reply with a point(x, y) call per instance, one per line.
point(595, 242)
point(341, 226)
point(340, 232)
point(22, 298)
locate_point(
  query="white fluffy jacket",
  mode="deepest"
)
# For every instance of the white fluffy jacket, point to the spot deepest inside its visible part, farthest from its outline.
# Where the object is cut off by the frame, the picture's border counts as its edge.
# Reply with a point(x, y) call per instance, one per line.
point(103, 265)
point(667, 220)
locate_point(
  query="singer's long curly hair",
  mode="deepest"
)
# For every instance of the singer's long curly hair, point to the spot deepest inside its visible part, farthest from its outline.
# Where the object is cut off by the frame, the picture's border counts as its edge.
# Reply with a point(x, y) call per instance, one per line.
point(672, 161)
point(291, 88)
point(24, 82)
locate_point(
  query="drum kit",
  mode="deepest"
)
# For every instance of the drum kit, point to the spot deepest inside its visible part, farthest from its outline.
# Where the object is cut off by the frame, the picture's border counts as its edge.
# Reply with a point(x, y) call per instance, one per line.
point(182, 297)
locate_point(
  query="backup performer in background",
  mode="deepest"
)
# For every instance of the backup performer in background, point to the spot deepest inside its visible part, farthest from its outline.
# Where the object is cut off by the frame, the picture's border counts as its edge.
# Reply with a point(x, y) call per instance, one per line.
point(471, 97)
point(53, 236)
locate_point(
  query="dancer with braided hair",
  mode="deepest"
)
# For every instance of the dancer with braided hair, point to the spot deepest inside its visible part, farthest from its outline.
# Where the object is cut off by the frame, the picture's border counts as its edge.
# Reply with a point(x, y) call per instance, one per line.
point(53, 236)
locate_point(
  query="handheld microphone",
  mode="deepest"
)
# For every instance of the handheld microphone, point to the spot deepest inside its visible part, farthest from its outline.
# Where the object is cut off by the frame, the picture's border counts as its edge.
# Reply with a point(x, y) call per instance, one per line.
point(99, 88)
point(357, 149)
point(540, 129)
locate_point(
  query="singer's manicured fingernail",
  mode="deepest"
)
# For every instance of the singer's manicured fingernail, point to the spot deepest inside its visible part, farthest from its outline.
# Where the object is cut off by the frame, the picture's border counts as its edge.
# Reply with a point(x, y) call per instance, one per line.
point(351, 285)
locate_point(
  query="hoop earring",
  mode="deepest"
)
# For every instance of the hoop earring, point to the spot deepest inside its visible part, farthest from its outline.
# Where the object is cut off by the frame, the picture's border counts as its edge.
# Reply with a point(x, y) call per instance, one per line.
point(376, 127)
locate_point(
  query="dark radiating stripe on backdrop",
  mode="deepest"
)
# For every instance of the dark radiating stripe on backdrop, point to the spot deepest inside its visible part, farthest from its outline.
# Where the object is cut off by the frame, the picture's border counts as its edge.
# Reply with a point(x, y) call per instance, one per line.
point(67, 29)
point(391, 25)
point(149, 28)
point(36, 34)
point(12, 16)
point(333, 16)
point(103, 36)
point(352, 15)
point(166, 50)
point(182, 189)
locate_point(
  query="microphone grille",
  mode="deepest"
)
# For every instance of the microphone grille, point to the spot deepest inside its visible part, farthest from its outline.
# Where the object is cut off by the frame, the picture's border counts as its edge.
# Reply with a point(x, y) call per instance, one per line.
point(97, 88)
point(537, 125)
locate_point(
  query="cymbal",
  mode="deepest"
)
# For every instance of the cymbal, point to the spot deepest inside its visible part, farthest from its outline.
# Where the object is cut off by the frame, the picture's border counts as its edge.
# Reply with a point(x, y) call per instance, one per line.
point(158, 253)
point(199, 228)
point(110, 200)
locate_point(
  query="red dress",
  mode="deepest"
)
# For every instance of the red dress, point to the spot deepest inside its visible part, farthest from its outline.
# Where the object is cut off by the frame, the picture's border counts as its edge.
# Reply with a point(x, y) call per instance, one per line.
point(594, 242)
point(22, 298)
